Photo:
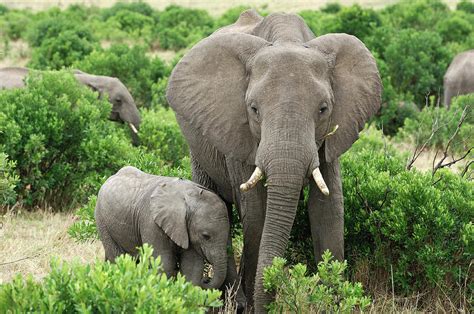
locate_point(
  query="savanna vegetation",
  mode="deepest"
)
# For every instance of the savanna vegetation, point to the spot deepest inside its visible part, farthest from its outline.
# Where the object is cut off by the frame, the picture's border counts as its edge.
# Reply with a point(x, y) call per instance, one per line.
point(409, 233)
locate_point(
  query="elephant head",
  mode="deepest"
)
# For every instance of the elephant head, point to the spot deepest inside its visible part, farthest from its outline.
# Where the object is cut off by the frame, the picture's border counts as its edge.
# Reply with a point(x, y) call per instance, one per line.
point(195, 218)
point(123, 105)
point(278, 99)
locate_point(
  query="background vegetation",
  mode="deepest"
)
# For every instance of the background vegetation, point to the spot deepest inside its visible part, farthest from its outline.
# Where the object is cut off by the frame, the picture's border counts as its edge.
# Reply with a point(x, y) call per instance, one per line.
point(411, 231)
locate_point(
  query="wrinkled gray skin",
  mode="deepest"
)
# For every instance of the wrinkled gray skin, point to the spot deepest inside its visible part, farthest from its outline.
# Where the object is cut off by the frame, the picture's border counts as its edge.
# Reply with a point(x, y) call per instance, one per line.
point(177, 217)
point(264, 92)
point(123, 105)
point(459, 78)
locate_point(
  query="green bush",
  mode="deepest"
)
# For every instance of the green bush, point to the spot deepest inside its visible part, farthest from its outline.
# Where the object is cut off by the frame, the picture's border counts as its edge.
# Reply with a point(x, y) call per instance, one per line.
point(466, 6)
point(135, 7)
point(131, 65)
point(8, 180)
point(179, 27)
point(160, 133)
point(393, 115)
point(3, 9)
point(133, 23)
point(456, 28)
point(418, 129)
point(58, 133)
point(331, 8)
point(14, 24)
point(123, 287)
point(62, 51)
point(325, 291)
point(357, 21)
point(417, 61)
point(230, 16)
point(400, 218)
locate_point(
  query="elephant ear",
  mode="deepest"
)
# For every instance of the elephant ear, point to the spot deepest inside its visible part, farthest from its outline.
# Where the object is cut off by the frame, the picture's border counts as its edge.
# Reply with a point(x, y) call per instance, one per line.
point(207, 90)
point(246, 23)
point(89, 81)
point(168, 210)
point(356, 86)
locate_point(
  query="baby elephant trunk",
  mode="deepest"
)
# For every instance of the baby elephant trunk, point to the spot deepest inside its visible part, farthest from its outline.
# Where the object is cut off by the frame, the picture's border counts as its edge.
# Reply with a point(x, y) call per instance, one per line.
point(220, 271)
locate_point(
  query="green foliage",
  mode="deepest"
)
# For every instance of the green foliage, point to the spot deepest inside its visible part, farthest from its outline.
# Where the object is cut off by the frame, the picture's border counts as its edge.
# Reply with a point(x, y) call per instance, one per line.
point(393, 115)
point(58, 133)
point(418, 129)
point(466, 6)
point(3, 9)
point(417, 61)
point(325, 291)
point(357, 21)
point(14, 24)
point(230, 16)
point(134, 7)
point(416, 14)
point(456, 28)
point(333, 7)
point(123, 287)
point(8, 180)
point(179, 27)
point(85, 229)
point(62, 51)
point(133, 23)
point(161, 135)
point(131, 65)
point(400, 218)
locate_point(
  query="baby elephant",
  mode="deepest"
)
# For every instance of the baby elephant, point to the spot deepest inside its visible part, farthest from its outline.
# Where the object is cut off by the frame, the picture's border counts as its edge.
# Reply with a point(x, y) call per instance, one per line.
point(184, 222)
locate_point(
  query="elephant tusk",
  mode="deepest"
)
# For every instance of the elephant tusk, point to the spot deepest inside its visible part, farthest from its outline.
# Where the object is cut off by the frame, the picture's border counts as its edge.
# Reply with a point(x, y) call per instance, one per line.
point(134, 129)
point(318, 177)
point(256, 176)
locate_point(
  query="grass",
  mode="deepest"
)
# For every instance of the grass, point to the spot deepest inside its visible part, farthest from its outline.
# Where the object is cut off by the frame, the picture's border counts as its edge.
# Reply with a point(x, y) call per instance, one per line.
point(29, 240)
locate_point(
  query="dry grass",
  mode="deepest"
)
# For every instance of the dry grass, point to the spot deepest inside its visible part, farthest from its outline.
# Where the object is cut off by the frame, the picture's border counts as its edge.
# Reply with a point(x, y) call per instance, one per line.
point(29, 240)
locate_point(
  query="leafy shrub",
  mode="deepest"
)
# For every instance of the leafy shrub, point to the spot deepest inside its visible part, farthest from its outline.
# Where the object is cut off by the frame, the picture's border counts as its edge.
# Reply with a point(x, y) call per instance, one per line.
point(401, 218)
point(133, 23)
point(3, 9)
point(130, 65)
point(456, 28)
point(331, 8)
point(103, 287)
point(62, 51)
point(393, 115)
point(8, 180)
point(85, 229)
point(321, 23)
point(142, 8)
point(418, 129)
point(466, 6)
point(417, 14)
point(357, 21)
point(325, 291)
point(179, 27)
point(14, 24)
point(417, 61)
point(161, 135)
point(58, 133)
point(55, 23)
point(230, 16)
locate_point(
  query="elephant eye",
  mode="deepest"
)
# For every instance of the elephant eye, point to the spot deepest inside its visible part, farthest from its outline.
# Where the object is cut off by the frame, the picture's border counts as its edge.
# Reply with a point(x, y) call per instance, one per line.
point(323, 108)
point(254, 109)
point(206, 236)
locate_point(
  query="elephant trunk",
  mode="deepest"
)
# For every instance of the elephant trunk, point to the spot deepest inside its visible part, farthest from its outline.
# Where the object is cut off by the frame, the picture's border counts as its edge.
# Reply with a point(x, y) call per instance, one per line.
point(287, 154)
point(220, 271)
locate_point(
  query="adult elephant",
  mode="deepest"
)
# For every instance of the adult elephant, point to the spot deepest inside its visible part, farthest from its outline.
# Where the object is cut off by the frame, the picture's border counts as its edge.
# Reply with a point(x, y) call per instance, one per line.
point(123, 106)
point(459, 78)
point(264, 97)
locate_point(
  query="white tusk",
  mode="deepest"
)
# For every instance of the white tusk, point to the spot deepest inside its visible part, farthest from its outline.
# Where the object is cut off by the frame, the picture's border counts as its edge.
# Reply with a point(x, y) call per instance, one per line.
point(318, 177)
point(134, 129)
point(256, 176)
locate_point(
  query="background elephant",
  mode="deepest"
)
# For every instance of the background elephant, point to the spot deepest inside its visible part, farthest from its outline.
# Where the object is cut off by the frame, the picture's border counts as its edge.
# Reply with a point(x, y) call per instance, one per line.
point(123, 105)
point(177, 217)
point(260, 97)
point(459, 78)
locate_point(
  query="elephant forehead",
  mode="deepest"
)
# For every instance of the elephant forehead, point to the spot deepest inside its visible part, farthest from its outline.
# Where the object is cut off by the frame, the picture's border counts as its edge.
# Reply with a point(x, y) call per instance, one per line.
point(290, 57)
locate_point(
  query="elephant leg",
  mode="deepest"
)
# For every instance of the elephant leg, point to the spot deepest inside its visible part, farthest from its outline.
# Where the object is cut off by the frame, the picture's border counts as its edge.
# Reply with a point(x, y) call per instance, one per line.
point(111, 248)
point(166, 251)
point(232, 279)
point(326, 213)
point(192, 266)
point(251, 206)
